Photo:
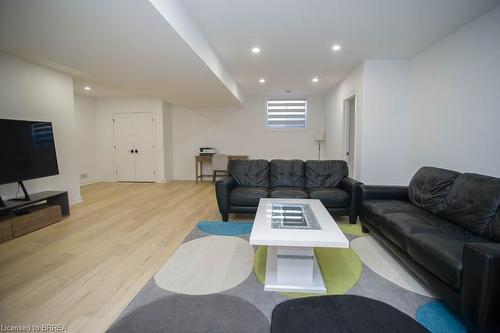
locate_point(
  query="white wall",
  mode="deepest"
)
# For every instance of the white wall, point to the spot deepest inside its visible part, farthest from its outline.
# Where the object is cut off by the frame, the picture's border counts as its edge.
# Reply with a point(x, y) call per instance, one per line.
point(86, 123)
point(380, 90)
point(454, 101)
point(241, 131)
point(334, 117)
point(106, 108)
point(439, 108)
point(168, 141)
point(33, 92)
point(384, 122)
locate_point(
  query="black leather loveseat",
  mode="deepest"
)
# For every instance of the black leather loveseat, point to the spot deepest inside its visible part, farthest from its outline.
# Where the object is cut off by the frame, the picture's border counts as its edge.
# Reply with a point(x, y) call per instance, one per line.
point(250, 180)
point(446, 227)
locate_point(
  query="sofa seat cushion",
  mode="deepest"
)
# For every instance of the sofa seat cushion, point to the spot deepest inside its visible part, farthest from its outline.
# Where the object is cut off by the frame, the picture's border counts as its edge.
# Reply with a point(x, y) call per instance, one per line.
point(330, 197)
point(288, 192)
point(375, 210)
point(247, 196)
point(399, 226)
point(441, 253)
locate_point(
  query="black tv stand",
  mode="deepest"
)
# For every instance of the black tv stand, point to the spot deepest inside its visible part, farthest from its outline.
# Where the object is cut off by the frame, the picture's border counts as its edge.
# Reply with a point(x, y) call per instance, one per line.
point(8, 207)
point(25, 192)
point(20, 217)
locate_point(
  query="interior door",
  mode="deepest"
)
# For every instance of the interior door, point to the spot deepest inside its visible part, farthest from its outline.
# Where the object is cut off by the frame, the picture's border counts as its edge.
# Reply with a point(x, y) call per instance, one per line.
point(124, 145)
point(144, 149)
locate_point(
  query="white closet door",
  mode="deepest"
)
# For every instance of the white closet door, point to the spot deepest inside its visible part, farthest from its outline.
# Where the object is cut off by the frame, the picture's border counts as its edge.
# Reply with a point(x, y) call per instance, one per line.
point(124, 145)
point(144, 147)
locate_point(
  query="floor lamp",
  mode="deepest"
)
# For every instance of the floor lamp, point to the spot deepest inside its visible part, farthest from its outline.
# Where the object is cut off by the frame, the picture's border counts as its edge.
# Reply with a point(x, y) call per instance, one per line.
point(319, 137)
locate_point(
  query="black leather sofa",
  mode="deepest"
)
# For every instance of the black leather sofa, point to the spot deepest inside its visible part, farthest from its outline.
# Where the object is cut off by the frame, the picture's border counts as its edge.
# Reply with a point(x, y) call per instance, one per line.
point(446, 227)
point(250, 180)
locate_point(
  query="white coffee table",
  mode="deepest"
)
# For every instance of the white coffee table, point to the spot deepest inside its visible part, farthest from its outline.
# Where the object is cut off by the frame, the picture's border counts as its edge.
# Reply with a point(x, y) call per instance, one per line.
point(292, 228)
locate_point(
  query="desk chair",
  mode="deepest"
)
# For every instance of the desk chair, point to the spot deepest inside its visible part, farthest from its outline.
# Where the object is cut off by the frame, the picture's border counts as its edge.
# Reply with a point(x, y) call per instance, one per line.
point(219, 164)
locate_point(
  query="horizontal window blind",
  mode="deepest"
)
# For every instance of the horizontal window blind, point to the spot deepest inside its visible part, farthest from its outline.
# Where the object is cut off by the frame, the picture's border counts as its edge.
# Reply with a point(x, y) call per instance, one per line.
point(286, 113)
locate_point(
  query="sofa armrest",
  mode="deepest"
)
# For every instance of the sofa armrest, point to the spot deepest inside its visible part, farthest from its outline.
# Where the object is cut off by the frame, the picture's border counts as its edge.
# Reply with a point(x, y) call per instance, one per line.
point(353, 187)
point(350, 184)
point(384, 192)
point(222, 188)
point(480, 290)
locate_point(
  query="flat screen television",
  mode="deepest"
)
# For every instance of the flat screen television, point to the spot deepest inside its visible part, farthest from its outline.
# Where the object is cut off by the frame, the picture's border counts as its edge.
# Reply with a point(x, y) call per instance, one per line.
point(27, 150)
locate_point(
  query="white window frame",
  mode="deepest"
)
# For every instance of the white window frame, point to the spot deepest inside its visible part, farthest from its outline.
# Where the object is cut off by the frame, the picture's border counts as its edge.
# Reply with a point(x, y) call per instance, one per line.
point(285, 128)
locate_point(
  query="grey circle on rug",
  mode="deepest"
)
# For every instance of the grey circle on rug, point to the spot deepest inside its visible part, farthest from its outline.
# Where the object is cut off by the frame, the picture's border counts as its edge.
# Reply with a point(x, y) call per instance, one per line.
point(207, 265)
point(186, 313)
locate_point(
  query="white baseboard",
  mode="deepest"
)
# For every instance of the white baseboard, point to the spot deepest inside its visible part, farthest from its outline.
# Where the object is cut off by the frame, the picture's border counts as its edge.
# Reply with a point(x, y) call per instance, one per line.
point(75, 202)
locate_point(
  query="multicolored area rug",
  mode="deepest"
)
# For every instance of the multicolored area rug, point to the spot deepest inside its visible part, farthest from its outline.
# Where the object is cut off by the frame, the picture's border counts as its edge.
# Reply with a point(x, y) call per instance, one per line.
point(214, 283)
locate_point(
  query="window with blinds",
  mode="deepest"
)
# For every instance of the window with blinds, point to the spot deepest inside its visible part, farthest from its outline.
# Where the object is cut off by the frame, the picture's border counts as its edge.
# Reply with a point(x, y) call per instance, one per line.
point(286, 113)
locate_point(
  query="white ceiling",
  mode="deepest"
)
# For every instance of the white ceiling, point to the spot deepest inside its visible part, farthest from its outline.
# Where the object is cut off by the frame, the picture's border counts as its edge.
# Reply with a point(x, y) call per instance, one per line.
point(296, 36)
point(124, 45)
point(99, 89)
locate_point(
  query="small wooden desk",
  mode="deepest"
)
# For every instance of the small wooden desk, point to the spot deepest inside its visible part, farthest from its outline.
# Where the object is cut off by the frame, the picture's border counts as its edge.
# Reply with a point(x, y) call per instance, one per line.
point(199, 160)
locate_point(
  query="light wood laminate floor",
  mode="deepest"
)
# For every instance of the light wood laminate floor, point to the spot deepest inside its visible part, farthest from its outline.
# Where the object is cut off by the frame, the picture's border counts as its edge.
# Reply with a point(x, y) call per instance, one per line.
point(83, 271)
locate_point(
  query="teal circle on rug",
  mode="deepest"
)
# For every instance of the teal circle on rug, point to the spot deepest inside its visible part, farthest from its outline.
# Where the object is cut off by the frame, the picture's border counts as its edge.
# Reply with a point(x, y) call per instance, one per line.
point(225, 228)
point(439, 318)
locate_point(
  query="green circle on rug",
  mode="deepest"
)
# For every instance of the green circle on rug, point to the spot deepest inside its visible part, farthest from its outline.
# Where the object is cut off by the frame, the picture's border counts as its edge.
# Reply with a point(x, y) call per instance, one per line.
point(351, 229)
point(341, 269)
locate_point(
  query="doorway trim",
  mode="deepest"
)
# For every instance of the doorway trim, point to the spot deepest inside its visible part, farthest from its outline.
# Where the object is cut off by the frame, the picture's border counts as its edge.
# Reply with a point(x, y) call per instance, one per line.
point(346, 112)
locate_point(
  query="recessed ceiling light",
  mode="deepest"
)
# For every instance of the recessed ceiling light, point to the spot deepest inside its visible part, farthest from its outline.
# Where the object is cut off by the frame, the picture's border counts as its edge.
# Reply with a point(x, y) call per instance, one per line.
point(262, 80)
point(86, 88)
point(255, 50)
point(315, 79)
point(336, 47)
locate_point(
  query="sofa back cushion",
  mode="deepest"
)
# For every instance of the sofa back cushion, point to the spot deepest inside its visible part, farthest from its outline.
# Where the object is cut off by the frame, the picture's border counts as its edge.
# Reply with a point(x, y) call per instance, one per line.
point(250, 172)
point(429, 187)
point(474, 203)
point(325, 173)
point(287, 173)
